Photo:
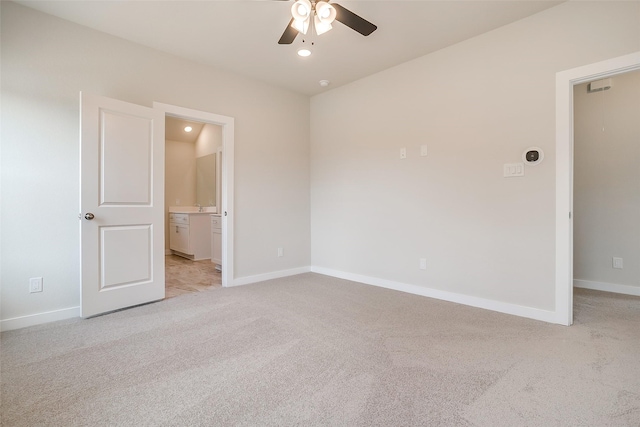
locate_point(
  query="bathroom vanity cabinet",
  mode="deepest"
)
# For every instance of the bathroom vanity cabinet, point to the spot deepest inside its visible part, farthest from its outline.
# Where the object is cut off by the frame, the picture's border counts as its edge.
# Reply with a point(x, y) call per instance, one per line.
point(190, 235)
point(216, 240)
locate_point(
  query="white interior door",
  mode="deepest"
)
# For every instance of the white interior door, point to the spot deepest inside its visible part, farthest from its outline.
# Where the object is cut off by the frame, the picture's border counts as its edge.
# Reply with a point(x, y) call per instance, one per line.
point(121, 204)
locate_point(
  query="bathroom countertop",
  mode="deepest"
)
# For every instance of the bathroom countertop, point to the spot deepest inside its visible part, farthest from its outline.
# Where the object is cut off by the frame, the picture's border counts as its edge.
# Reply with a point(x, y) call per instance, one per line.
point(208, 210)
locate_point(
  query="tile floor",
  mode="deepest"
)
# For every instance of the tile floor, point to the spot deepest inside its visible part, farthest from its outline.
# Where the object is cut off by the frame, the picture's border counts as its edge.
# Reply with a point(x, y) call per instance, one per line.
point(183, 276)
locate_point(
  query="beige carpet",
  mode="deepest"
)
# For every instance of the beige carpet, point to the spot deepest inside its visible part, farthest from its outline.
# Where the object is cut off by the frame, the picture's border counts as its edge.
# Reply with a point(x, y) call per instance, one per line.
point(312, 350)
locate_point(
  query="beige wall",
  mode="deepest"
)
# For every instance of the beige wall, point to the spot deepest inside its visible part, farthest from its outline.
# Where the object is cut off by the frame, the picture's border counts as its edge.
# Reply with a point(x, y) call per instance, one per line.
point(45, 63)
point(607, 182)
point(477, 105)
point(209, 139)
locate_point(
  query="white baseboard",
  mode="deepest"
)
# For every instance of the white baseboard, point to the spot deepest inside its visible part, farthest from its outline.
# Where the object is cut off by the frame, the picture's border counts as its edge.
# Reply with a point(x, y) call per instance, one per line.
point(39, 318)
point(501, 307)
point(268, 276)
point(607, 287)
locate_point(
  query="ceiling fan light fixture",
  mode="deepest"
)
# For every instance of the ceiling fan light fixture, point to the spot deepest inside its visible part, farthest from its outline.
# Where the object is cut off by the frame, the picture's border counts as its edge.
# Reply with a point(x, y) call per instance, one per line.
point(301, 25)
point(321, 27)
point(304, 52)
point(325, 12)
point(321, 14)
point(301, 10)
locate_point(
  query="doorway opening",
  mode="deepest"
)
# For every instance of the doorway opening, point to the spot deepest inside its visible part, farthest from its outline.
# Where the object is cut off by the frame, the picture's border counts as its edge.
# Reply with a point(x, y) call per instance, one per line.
point(606, 190)
point(606, 194)
point(208, 205)
point(193, 244)
point(565, 82)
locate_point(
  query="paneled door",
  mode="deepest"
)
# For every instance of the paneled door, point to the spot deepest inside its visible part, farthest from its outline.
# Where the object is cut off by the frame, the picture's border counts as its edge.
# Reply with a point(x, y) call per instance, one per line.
point(121, 204)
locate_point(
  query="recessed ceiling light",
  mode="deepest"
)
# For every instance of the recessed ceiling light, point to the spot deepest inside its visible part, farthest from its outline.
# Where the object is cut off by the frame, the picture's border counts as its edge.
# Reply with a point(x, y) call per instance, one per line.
point(324, 83)
point(304, 52)
point(188, 129)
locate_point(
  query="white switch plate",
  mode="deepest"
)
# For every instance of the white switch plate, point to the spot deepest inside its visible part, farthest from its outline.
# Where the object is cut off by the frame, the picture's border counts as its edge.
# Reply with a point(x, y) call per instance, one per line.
point(403, 153)
point(423, 150)
point(280, 252)
point(617, 262)
point(513, 169)
point(423, 263)
point(35, 284)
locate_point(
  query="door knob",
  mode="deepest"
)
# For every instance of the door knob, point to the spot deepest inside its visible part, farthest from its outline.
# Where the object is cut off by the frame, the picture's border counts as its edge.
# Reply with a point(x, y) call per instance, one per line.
point(89, 216)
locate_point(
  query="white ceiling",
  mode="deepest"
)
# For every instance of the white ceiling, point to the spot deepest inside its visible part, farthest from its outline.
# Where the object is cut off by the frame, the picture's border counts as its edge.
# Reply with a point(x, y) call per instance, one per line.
point(241, 36)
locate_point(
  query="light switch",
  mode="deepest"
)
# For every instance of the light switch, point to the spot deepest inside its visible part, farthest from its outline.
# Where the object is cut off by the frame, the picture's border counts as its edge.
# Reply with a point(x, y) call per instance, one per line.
point(423, 150)
point(513, 169)
point(403, 153)
point(617, 262)
point(35, 284)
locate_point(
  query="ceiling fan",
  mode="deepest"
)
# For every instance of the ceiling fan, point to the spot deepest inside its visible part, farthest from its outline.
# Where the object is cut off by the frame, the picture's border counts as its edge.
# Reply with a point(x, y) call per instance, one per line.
point(320, 14)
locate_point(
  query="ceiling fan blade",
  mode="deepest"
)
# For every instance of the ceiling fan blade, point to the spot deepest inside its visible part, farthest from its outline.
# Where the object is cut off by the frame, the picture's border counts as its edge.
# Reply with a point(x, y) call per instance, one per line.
point(353, 21)
point(289, 34)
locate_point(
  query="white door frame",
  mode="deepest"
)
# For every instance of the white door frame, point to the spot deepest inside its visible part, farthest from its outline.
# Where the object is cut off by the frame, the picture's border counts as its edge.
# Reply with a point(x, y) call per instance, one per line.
point(226, 208)
point(565, 81)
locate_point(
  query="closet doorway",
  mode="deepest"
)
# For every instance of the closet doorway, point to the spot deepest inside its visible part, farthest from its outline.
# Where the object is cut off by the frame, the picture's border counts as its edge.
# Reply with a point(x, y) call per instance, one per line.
point(606, 184)
point(565, 82)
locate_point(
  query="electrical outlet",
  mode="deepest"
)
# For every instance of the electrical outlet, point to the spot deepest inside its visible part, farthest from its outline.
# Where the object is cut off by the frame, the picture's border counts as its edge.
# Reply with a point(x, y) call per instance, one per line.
point(280, 252)
point(35, 284)
point(403, 153)
point(617, 262)
point(423, 263)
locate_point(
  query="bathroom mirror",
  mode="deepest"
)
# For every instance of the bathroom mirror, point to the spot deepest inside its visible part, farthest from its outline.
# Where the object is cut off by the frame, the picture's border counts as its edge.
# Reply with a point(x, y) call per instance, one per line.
point(206, 180)
point(192, 163)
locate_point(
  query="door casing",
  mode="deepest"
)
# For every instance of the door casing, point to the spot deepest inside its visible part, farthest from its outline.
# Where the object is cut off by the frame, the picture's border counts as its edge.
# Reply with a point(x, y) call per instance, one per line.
point(565, 81)
point(226, 206)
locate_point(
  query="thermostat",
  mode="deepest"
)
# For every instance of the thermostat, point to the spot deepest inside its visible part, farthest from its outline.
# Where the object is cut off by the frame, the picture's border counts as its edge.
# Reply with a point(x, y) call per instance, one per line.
point(532, 156)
